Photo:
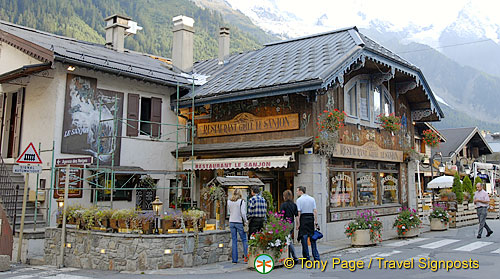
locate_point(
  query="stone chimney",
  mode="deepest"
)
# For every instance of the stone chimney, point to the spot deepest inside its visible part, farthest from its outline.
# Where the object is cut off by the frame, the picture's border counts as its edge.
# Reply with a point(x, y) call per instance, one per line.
point(223, 45)
point(182, 49)
point(115, 31)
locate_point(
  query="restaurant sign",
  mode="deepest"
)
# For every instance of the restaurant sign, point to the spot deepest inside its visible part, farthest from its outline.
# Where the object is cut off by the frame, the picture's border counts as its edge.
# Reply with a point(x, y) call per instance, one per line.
point(246, 123)
point(368, 151)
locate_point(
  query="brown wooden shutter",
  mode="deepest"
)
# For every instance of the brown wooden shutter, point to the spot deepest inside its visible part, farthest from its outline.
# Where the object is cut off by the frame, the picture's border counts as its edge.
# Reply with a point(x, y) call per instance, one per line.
point(133, 115)
point(18, 122)
point(2, 102)
point(155, 116)
point(422, 146)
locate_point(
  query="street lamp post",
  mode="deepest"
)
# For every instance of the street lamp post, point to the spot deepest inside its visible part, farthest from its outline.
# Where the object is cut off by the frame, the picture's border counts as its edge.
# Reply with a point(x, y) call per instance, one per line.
point(441, 169)
point(156, 211)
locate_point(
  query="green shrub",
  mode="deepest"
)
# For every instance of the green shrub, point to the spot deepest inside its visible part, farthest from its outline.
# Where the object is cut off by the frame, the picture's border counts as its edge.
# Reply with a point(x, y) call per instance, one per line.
point(476, 181)
point(468, 188)
point(457, 188)
point(269, 200)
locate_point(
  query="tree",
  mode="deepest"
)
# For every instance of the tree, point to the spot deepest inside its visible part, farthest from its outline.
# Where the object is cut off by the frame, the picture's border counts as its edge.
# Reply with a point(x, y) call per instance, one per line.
point(468, 188)
point(457, 188)
point(476, 181)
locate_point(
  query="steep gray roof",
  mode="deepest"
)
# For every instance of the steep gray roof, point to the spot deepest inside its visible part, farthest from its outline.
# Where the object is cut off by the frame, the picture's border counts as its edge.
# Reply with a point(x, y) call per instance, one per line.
point(95, 56)
point(296, 65)
point(457, 138)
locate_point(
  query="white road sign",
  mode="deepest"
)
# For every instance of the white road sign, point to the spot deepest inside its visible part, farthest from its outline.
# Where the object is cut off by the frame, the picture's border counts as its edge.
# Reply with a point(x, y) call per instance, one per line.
point(26, 169)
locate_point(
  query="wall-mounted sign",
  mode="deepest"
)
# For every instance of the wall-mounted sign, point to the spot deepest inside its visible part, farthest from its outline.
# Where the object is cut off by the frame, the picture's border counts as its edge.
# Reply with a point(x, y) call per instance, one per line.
point(246, 123)
point(75, 182)
point(75, 161)
point(368, 151)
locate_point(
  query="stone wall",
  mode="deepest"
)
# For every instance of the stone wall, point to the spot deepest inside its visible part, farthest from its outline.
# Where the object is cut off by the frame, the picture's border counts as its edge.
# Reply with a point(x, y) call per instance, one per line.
point(133, 252)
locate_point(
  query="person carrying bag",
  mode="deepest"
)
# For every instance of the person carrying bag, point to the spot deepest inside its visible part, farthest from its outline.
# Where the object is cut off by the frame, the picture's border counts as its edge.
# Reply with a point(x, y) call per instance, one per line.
point(237, 218)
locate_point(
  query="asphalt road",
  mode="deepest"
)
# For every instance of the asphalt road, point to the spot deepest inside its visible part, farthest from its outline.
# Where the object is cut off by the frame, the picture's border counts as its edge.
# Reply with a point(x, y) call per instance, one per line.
point(481, 256)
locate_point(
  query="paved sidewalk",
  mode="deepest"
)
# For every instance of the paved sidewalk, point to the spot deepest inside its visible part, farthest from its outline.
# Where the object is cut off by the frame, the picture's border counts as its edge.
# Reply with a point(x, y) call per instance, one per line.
point(324, 247)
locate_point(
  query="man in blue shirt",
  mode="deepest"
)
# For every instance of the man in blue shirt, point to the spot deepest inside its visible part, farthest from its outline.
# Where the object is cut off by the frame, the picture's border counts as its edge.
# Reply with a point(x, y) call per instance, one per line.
point(257, 210)
point(307, 222)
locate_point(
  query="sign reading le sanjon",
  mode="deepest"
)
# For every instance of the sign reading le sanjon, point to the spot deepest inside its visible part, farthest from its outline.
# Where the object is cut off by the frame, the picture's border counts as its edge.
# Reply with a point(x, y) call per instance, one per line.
point(369, 150)
point(246, 123)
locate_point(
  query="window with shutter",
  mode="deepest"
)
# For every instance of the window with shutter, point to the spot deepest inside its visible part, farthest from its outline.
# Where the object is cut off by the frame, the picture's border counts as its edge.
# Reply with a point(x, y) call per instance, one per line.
point(155, 117)
point(133, 115)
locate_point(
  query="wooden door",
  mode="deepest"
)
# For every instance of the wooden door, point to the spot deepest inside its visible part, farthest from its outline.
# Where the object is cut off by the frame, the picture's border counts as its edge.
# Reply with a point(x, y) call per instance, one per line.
point(16, 140)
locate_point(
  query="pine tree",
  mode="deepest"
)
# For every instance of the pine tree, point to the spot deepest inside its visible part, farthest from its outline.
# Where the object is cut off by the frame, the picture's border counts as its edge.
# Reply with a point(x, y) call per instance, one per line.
point(468, 188)
point(457, 188)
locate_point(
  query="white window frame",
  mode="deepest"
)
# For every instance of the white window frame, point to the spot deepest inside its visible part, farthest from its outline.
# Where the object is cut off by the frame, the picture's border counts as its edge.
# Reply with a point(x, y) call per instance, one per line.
point(372, 120)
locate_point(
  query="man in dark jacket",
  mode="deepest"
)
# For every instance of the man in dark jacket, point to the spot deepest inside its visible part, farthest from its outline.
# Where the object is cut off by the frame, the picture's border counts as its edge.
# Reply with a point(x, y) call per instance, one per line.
point(289, 210)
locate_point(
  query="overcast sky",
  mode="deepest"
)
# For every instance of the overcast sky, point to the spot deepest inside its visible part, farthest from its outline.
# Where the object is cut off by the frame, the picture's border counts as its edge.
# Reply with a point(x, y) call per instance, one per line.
point(433, 15)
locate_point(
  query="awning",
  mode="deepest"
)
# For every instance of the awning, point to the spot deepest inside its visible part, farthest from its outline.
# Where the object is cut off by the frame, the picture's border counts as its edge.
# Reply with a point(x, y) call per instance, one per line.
point(238, 163)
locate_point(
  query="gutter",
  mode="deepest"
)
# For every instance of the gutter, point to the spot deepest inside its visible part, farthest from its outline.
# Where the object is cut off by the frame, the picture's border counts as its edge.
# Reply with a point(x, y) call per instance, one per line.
point(118, 72)
point(24, 71)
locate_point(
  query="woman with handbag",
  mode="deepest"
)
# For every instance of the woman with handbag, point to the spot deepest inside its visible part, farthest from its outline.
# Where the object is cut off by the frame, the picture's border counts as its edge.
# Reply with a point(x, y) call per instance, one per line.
point(289, 210)
point(237, 219)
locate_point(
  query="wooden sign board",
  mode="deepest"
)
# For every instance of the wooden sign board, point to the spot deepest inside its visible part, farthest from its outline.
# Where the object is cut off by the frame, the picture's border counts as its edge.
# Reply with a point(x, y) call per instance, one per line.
point(75, 181)
point(246, 123)
point(368, 151)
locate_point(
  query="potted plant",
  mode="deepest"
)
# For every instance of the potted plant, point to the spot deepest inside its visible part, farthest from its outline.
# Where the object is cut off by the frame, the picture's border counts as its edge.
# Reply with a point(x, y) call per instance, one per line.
point(329, 123)
point(87, 219)
point(169, 222)
point(146, 222)
point(272, 239)
point(390, 122)
point(407, 222)
point(123, 217)
point(430, 138)
point(365, 229)
point(102, 217)
point(73, 212)
point(447, 195)
point(194, 219)
point(439, 219)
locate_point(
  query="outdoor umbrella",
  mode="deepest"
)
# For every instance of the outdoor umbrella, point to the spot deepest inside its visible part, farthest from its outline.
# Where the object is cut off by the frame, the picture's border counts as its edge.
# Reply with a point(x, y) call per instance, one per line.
point(441, 182)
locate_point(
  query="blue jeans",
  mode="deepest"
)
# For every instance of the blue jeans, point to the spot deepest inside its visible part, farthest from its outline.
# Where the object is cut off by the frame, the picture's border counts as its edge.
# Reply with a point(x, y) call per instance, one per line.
point(237, 228)
point(305, 249)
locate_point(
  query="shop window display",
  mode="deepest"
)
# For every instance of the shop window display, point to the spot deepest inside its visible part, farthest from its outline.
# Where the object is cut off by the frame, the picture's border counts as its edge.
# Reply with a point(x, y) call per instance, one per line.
point(389, 182)
point(366, 183)
point(341, 189)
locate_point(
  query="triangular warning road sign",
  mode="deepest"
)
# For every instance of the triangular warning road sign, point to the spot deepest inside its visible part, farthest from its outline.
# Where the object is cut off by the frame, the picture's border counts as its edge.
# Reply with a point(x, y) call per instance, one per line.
point(29, 156)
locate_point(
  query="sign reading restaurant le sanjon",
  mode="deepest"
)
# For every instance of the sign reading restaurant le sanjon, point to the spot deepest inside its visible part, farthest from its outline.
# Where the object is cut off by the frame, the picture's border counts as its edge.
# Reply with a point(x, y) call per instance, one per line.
point(368, 151)
point(246, 123)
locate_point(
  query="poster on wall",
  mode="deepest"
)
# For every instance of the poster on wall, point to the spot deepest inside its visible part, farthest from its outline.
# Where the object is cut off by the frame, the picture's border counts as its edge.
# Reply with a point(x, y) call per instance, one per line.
point(75, 182)
point(83, 105)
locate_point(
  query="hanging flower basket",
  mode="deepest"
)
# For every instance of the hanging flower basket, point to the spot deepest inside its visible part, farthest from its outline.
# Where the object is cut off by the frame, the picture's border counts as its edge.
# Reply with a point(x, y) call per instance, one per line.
point(431, 138)
point(390, 122)
point(329, 123)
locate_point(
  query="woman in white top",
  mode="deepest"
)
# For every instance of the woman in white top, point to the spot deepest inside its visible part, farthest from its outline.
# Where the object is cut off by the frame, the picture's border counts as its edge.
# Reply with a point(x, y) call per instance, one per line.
point(237, 217)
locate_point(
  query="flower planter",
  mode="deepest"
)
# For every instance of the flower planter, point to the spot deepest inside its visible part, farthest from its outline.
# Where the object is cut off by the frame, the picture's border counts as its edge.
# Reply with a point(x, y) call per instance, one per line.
point(361, 238)
point(438, 225)
point(123, 224)
point(258, 251)
point(147, 226)
point(167, 225)
point(113, 223)
point(411, 233)
point(104, 223)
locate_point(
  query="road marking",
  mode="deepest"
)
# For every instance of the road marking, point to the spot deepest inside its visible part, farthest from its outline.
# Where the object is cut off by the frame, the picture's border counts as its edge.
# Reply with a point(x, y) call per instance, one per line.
point(473, 246)
point(406, 242)
point(419, 256)
point(389, 253)
point(440, 243)
point(496, 251)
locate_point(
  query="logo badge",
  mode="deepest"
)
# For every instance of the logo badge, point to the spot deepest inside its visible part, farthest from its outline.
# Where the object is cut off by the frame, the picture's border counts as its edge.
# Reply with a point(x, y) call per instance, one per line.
point(263, 263)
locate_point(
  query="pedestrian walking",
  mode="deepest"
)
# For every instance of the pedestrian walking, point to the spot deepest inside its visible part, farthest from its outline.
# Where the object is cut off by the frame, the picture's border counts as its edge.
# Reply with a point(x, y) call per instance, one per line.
point(290, 212)
point(307, 222)
point(482, 201)
point(237, 219)
point(257, 210)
